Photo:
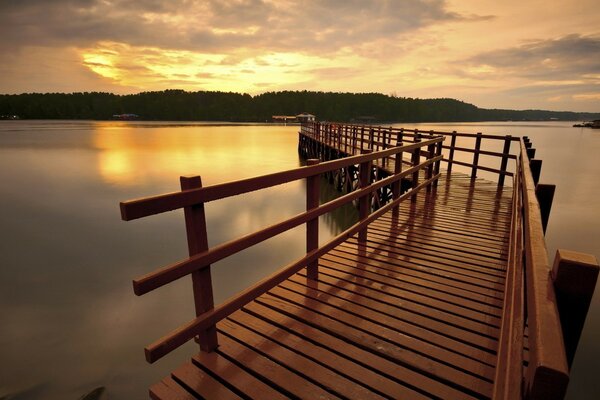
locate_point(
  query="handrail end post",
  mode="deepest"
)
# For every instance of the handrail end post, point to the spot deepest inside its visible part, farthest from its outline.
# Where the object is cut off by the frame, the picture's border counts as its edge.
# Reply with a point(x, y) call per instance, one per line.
point(574, 275)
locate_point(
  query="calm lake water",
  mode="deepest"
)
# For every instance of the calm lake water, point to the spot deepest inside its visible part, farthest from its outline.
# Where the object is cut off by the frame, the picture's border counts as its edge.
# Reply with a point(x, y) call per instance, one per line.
point(69, 319)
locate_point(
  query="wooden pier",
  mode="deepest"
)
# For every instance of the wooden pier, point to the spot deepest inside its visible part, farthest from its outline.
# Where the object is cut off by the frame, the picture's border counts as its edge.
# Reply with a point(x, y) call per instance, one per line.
point(442, 289)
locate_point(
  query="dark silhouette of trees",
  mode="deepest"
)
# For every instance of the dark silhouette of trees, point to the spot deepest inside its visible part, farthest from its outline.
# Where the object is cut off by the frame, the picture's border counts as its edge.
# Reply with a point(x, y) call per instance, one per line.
point(179, 105)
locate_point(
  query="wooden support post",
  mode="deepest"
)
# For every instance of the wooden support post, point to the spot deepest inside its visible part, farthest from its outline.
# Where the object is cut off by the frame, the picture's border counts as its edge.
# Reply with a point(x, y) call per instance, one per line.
point(396, 185)
point(429, 170)
point(504, 162)
point(364, 202)
point(545, 196)
point(399, 142)
point(346, 139)
point(574, 275)
point(312, 226)
point(195, 226)
point(476, 156)
point(531, 153)
point(536, 170)
point(400, 137)
point(372, 139)
point(362, 139)
point(451, 153)
point(416, 159)
point(384, 162)
point(436, 169)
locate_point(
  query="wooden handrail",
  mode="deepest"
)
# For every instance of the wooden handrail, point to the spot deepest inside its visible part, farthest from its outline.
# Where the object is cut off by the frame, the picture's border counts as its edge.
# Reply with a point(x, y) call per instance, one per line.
point(201, 257)
point(529, 293)
point(134, 209)
point(183, 334)
point(547, 375)
point(199, 261)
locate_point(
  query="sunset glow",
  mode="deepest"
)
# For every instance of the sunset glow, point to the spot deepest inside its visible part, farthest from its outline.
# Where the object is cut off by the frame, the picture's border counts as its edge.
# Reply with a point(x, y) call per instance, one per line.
point(510, 54)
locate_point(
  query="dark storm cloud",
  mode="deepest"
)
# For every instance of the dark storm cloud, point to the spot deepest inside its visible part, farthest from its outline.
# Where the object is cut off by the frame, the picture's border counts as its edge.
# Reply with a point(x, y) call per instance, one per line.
point(566, 58)
point(310, 25)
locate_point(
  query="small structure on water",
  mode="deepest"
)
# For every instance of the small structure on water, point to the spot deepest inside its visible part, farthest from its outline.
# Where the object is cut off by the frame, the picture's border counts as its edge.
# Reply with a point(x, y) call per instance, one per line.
point(126, 117)
point(284, 118)
point(305, 117)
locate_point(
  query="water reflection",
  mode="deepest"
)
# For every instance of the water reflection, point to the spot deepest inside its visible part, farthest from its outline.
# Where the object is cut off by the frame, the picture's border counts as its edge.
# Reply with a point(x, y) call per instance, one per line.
point(70, 322)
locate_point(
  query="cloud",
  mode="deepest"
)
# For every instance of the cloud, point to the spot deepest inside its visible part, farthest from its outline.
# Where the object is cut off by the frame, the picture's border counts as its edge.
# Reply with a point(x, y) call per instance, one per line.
point(569, 57)
point(308, 26)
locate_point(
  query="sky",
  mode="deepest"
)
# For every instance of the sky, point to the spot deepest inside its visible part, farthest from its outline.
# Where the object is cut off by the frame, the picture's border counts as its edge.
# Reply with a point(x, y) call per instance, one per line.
point(517, 54)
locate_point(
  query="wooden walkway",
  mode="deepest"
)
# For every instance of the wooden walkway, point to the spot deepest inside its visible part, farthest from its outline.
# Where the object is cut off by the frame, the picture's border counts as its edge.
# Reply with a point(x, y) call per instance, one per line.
point(413, 314)
point(426, 296)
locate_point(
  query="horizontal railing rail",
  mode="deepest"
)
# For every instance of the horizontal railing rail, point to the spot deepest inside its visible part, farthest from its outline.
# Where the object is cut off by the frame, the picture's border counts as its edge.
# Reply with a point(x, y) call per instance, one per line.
point(201, 257)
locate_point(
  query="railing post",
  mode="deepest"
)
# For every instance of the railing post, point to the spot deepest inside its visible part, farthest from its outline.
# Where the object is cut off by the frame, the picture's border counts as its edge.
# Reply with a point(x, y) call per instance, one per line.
point(429, 170)
point(400, 137)
point(362, 139)
point(476, 155)
point(312, 226)
point(545, 196)
point(574, 275)
point(364, 202)
point(416, 159)
point(396, 186)
point(195, 226)
point(372, 139)
point(451, 153)
point(504, 162)
point(436, 169)
point(346, 139)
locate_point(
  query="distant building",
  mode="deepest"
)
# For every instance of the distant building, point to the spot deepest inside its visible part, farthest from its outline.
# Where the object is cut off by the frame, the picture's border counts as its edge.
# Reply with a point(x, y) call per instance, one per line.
point(284, 118)
point(305, 117)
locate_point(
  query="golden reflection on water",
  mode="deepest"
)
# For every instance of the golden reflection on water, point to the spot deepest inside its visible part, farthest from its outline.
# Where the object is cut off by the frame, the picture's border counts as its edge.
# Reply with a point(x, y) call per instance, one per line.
point(132, 156)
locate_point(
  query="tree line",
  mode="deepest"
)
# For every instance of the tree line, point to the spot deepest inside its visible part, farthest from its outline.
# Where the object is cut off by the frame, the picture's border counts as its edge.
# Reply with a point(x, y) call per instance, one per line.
point(179, 105)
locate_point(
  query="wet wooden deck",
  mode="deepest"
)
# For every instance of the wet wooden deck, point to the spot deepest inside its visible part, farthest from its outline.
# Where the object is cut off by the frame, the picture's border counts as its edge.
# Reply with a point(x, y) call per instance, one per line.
point(415, 313)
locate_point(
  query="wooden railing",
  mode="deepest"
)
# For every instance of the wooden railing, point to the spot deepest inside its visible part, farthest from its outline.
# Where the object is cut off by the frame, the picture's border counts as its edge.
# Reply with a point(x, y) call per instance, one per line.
point(530, 300)
point(351, 139)
point(534, 316)
point(193, 197)
point(531, 319)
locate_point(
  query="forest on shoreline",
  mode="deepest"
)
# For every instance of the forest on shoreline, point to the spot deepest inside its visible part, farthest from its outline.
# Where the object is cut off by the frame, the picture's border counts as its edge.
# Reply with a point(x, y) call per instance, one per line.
point(179, 105)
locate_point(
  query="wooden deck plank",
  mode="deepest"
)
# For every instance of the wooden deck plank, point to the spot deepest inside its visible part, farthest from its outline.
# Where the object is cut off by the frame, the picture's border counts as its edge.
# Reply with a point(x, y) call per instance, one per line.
point(169, 389)
point(288, 382)
point(412, 313)
point(387, 343)
point(201, 384)
point(320, 375)
point(236, 376)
